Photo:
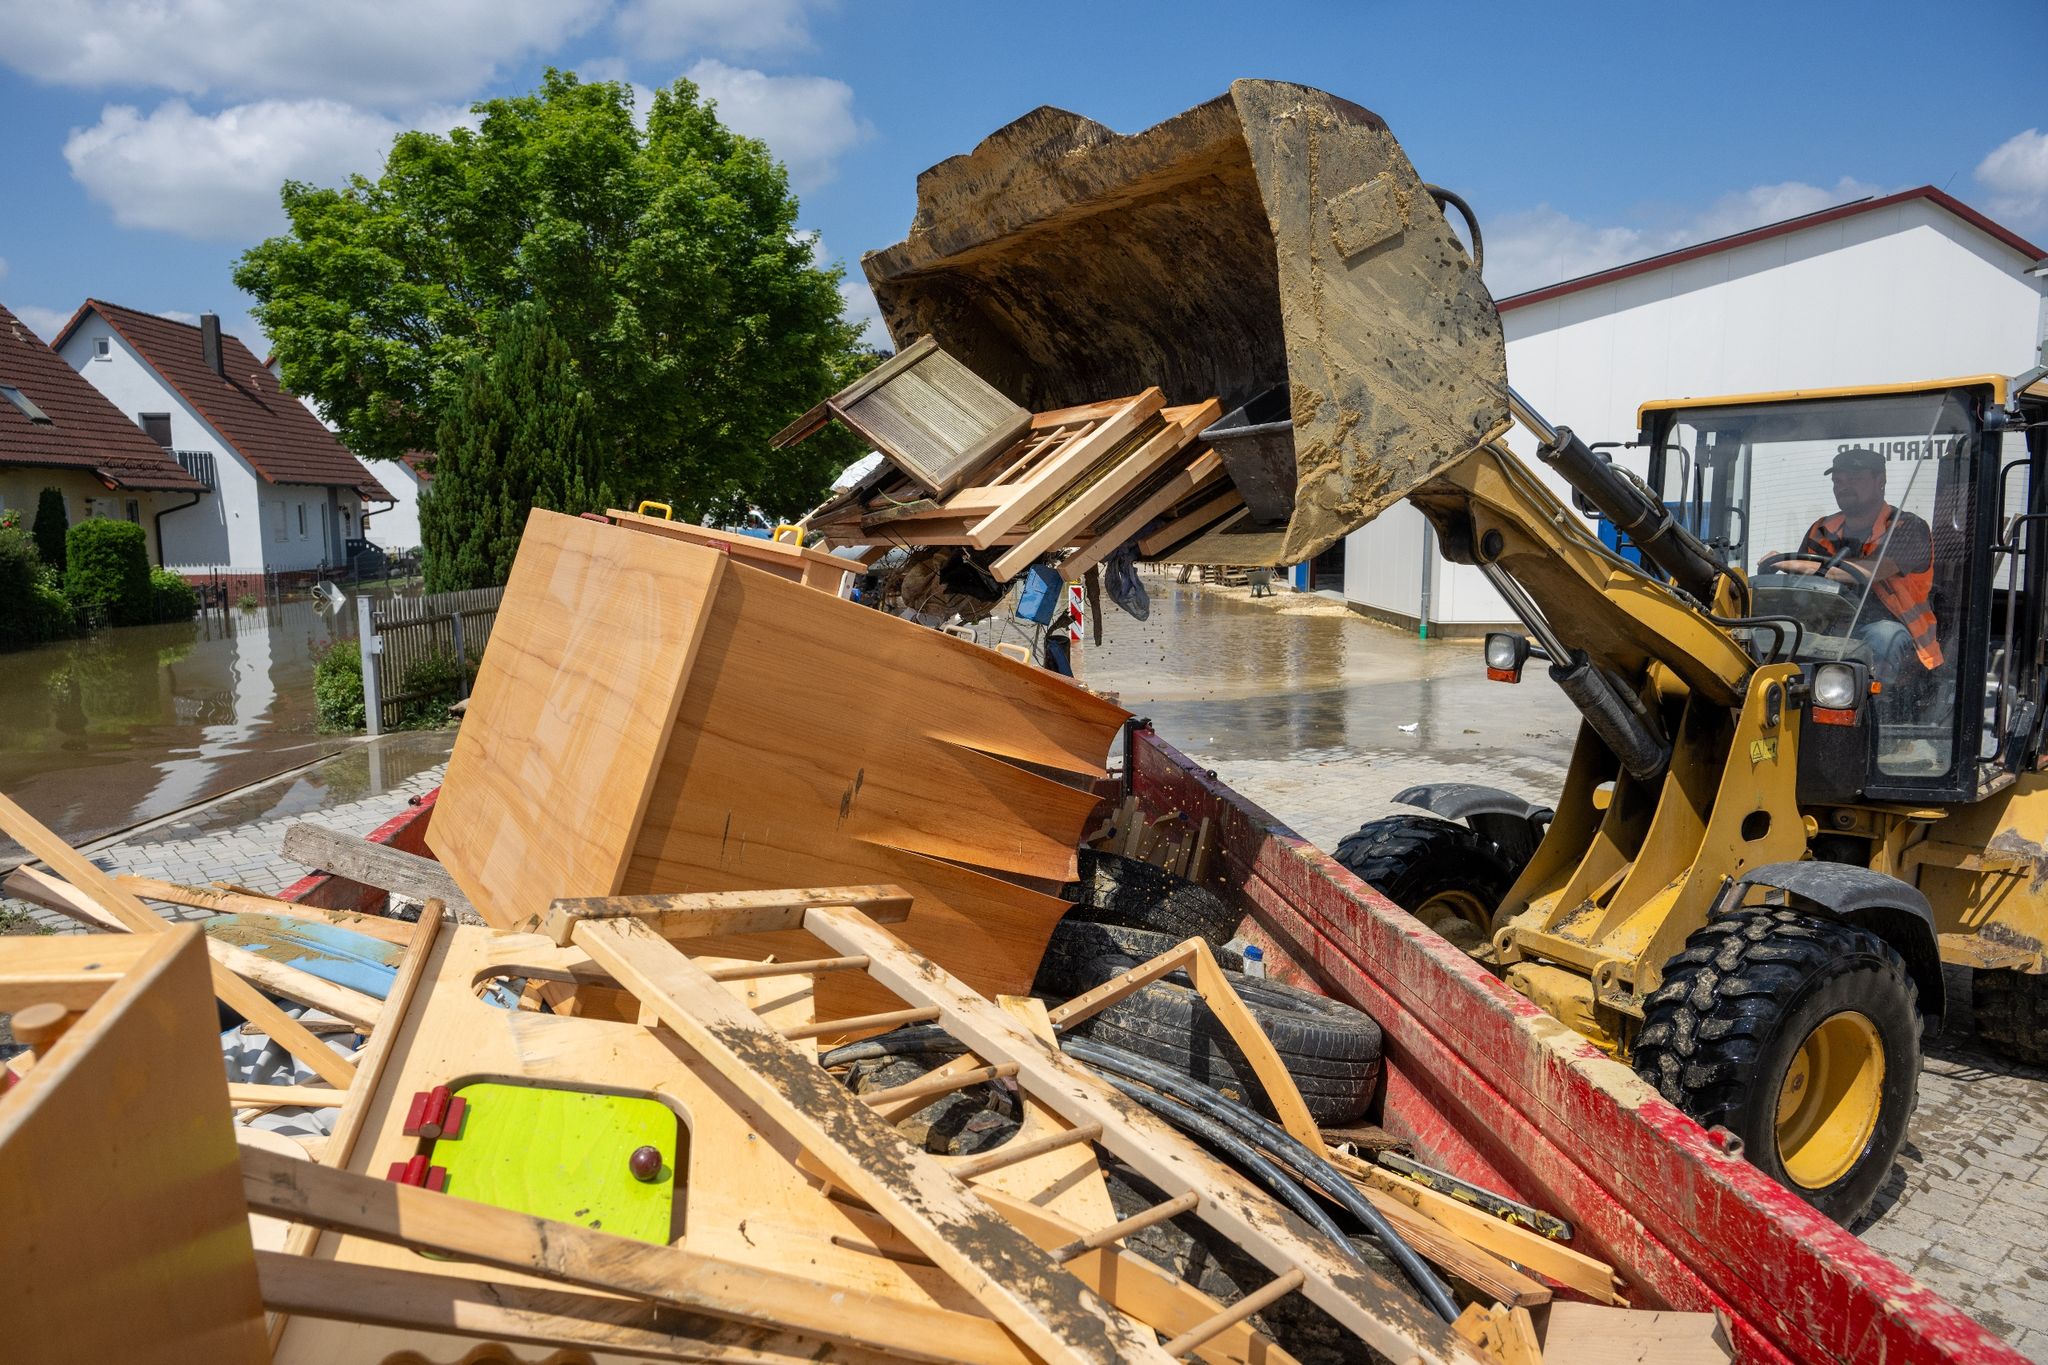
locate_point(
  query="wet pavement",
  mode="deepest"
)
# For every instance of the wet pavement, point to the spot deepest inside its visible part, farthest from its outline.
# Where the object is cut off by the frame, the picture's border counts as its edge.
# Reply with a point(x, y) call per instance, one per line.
point(128, 725)
point(1300, 704)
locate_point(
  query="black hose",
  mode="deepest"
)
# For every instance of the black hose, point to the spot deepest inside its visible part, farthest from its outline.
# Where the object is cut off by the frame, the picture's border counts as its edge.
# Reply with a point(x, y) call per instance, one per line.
point(929, 1039)
point(1292, 1153)
point(1444, 196)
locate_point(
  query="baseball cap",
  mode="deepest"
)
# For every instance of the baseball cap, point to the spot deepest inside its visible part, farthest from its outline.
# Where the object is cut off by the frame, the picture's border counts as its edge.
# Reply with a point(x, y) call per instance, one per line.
point(1857, 460)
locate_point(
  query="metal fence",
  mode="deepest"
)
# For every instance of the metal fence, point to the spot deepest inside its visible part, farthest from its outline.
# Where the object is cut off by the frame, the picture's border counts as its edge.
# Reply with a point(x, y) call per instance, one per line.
point(400, 635)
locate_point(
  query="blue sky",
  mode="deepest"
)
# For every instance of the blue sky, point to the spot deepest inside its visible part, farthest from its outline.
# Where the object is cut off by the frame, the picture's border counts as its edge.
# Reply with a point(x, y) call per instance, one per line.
point(145, 139)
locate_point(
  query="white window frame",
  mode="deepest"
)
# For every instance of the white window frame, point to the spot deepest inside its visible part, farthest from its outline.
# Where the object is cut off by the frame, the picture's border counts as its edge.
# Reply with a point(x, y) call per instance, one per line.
point(102, 348)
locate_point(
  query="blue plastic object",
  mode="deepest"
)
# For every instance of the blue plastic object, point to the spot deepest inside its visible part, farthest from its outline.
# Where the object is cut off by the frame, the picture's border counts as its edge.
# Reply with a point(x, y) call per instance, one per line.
point(1040, 597)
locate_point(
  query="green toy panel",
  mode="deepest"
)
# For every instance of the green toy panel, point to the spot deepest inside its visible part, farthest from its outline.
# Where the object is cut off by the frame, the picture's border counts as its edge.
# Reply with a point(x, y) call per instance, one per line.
point(564, 1154)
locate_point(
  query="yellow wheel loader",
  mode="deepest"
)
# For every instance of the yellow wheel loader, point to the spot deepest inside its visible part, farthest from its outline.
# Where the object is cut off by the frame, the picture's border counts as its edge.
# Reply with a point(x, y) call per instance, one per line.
point(1779, 820)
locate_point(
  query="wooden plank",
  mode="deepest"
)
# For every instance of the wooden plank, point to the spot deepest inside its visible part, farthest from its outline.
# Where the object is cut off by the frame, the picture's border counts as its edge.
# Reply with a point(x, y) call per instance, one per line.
point(293, 983)
point(571, 712)
point(558, 1318)
point(284, 1096)
point(404, 1215)
point(238, 902)
point(92, 884)
point(1010, 1277)
point(700, 914)
point(1493, 1278)
point(1204, 470)
point(1196, 519)
point(1385, 1318)
point(377, 865)
point(780, 557)
point(1587, 1334)
point(1049, 477)
point(73, 970)
point(121, 1221)
point(1181, 426)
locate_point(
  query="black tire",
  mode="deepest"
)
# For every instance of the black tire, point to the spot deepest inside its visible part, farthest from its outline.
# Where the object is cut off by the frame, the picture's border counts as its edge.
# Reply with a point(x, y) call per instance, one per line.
point(1447, 875)
point(1134, 893)
point(2011, 1010)
point(1330, 1049)
point(1723, 1033)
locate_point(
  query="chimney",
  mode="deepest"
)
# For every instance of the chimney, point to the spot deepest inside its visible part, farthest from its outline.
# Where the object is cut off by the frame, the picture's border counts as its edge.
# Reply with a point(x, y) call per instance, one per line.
point(209, 342)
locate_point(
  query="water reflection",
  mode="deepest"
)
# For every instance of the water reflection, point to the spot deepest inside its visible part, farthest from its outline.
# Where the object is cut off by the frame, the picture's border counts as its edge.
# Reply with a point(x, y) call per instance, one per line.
point(130, 724)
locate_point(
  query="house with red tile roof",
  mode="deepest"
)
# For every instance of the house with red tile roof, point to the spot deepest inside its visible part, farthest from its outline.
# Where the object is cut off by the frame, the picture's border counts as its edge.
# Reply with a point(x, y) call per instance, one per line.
point(395, 527)
point(57, 431)
point(287, 496)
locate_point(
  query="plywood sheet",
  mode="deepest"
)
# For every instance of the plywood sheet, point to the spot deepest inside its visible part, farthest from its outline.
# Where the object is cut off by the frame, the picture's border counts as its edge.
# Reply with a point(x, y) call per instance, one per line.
point(571, 712)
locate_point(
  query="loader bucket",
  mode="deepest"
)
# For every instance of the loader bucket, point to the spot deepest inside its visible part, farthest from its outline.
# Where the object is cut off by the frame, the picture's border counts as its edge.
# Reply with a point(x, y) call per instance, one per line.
point(1272, 247)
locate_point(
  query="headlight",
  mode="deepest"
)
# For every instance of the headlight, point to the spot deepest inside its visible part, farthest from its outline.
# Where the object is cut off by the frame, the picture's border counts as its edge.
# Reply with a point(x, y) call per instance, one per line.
point(1834, 686)
point(1505, 652)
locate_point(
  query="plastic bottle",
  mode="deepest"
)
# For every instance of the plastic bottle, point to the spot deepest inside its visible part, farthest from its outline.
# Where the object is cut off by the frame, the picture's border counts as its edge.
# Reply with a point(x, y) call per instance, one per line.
point(1254, 961)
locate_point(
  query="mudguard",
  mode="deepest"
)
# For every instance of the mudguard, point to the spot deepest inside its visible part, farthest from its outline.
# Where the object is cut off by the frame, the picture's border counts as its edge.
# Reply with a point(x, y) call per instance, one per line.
point(1888, 907)
point(1514, 824)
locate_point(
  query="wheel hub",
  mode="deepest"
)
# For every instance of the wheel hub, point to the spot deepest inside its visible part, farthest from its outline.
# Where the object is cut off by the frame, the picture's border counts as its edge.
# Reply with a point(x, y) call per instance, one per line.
point(1829, 1101)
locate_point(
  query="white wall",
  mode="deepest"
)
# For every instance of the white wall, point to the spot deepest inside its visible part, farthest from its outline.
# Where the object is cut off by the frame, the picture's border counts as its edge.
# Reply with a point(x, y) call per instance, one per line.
point(1899, 294)
point(396, 527)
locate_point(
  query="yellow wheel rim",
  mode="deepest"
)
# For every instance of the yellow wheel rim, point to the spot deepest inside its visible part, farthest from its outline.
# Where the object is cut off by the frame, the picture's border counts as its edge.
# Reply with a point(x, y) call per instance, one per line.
point(1829, 1101)
point(1455, 905)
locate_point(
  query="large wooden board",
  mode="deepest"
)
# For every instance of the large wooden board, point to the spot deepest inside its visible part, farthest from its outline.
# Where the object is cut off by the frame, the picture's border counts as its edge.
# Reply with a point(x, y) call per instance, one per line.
point(571, 713)
point(120, 1193)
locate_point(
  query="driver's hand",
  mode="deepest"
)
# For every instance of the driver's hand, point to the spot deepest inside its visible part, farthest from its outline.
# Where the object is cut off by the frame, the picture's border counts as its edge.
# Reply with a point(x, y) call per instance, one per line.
point(1841, 575)
point(1797, 566)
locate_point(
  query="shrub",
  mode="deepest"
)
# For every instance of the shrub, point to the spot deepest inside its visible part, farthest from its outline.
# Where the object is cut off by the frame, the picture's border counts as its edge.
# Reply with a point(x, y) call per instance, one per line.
point(247, 601)
point(31, 608)
point(107, 571)
point(171, 597)
point(338, 687)
point(52, 524)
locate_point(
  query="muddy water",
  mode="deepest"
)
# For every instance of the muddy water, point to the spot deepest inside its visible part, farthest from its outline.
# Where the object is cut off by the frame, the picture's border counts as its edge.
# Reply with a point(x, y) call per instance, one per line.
point(127, 725)
point(1325, 712)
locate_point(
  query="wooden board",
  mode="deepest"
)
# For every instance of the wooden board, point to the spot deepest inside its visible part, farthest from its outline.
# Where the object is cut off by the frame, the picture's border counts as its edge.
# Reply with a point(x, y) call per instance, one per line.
point(378, 865)
point(799, 564)
point(1204, 470)
point(223, 902)
point(571, 713)
point(121, 1220)
point(1587, 1334)
point(1057, 470)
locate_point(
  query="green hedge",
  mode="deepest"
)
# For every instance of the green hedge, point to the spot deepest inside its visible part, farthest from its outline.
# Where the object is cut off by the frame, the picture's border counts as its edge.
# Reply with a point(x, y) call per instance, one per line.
point(32, 609)
point(171, 598)
point(338, 687)
point(106, 573)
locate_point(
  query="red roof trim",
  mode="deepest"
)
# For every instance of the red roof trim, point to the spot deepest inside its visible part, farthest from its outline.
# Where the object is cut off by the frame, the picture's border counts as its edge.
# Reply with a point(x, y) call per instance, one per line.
point(1955, 206)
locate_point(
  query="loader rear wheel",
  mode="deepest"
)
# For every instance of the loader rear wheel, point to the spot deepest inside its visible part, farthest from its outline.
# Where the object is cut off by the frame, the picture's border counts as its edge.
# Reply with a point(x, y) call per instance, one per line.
point(1799, 1035)
point(1446, 875)
point(2012, 1014)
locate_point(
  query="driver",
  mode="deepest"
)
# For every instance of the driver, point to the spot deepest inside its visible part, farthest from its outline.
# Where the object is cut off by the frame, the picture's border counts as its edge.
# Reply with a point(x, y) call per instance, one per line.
point(1891, 548)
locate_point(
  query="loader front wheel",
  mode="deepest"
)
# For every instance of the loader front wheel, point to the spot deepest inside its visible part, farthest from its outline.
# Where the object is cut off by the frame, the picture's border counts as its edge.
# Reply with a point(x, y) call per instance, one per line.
point(2011, 1009)
point(1446, 875)
point(1801, 1036)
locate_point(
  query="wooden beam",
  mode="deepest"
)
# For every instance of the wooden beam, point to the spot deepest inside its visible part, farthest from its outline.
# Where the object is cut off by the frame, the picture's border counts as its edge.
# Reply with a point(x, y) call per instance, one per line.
point(294, 983)
point(223, 902)
point(1388, 1319)
point(404, 1215)
point(1205, 469)
point(1014, 1281)
point(410, 1300)
point(88, 882)
point(1063, 466)
point(1181, 527)
point(702, 914)
point(284, 1096)
point(387, 869)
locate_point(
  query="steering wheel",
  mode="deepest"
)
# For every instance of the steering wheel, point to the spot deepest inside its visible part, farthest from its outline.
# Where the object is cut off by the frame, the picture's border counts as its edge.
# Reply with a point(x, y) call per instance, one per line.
point(1838, 560)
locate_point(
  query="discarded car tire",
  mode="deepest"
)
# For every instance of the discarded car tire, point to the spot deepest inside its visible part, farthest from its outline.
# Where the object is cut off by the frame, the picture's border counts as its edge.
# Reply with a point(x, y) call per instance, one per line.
point(2011, 1010)
point(1447, 875)
point(1135, 893)
point(1801, 1036)
point(1330, 1049)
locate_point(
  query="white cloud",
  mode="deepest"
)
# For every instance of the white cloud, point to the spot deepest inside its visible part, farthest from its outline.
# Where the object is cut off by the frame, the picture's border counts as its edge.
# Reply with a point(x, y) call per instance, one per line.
point(382, 53)
point(44, 322)
point(807, 121)
point(216, 176)
point(1542, 246)
point(660, 29)
point(2016, 173)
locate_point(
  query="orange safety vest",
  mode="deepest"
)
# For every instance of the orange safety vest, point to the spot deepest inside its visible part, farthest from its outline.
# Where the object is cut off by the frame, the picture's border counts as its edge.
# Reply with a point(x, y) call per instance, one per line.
point(1903, 594)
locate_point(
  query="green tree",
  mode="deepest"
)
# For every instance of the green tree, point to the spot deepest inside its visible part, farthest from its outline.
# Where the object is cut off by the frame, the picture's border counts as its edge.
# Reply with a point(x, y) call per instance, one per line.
point(51, 525)
point(667, 259)
point(522, 434)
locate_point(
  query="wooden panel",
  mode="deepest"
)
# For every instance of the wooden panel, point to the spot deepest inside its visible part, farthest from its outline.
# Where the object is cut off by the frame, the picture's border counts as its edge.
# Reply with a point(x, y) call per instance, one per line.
point(798, 563)
point(378, 865)
point(1055, 472)
point(571, 713)
point(933, 417)
point(122, 1225)
point(1204, 470)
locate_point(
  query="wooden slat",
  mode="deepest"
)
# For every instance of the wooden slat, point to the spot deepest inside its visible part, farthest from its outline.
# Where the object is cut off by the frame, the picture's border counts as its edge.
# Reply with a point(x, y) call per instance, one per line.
point(1009, 1276)
point(1202, 471)
point(1181, 527)
point(1048, 478)
point(1385, 1318)
point(293, 983)
point(388, 869)
point(702, 914)
point(224, 902)
point(90, 883)
point(1258, 1299)
point(755, 971)
point(284, 1096)
point(403, 1215)
point(1137, 1222)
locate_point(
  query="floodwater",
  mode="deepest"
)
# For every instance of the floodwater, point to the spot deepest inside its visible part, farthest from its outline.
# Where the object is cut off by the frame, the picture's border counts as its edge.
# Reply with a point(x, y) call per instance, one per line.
point(127, 725)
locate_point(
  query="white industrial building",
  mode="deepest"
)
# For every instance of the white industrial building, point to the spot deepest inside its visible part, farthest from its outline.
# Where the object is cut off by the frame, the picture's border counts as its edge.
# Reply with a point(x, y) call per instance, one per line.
point(1909, 287)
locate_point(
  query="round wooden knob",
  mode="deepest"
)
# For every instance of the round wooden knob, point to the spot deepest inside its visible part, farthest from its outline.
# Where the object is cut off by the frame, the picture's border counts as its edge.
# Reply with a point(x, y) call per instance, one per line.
point(645, 1163)
point(40, 1025)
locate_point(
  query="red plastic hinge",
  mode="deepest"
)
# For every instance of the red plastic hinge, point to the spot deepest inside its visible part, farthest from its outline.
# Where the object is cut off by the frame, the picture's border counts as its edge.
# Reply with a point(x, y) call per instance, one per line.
point(433, 1113)
point(418, 1172)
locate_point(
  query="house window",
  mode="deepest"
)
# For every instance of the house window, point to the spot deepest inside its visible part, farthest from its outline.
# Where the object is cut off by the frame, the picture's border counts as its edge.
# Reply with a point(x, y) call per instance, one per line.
point(135, 510)
point(26, 404)
point(102, 348)
point(277, 522)
point(158, 427)
point(302, 521)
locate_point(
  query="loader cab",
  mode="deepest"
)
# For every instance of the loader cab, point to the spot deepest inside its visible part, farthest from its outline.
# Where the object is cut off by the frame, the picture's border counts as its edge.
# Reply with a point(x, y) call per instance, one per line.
point(1892, 543)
